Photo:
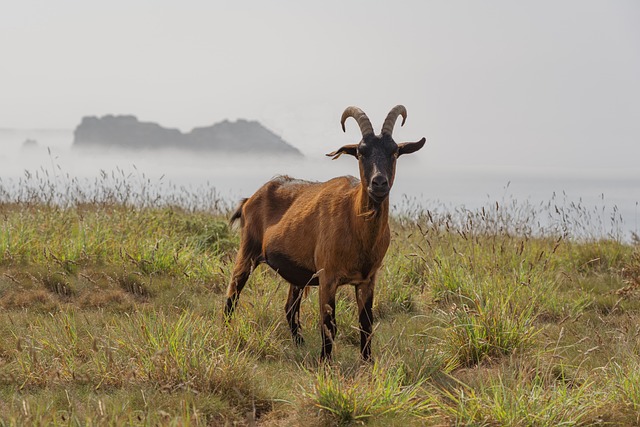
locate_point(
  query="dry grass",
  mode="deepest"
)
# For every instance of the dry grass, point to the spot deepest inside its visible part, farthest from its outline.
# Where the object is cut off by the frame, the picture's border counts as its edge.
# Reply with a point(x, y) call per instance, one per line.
point(111, 295)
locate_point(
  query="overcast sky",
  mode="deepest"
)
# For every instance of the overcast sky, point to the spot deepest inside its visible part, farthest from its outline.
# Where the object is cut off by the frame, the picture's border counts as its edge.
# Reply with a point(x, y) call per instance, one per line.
point(494, 83)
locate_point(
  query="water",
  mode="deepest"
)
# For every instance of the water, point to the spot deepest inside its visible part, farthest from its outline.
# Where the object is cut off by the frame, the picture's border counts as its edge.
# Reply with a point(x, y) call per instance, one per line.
point(420, 179)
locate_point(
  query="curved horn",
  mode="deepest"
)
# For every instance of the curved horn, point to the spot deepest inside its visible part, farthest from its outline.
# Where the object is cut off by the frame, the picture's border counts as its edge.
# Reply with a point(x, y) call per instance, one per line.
point(390, 121)
point(361, 118)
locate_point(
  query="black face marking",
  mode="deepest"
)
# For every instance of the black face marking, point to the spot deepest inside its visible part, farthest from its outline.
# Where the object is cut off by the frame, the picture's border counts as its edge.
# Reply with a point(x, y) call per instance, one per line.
point(377, 157)
point(291, 271)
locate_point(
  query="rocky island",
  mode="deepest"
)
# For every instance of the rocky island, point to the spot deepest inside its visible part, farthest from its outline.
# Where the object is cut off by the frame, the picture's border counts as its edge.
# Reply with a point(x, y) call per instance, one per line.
point(127, 132)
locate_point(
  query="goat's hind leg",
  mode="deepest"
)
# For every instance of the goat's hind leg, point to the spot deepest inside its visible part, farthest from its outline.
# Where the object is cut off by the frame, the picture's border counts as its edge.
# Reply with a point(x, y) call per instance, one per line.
point(328, 328)
point(292, 309)
point(246, 261)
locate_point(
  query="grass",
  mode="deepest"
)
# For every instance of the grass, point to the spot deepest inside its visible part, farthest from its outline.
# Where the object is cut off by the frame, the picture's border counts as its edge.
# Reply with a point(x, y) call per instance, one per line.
point(377, 393)
point(111, 297)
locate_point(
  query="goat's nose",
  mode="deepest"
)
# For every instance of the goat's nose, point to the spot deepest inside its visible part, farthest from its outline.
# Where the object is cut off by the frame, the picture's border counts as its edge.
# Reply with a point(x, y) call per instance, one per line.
point(379, 182)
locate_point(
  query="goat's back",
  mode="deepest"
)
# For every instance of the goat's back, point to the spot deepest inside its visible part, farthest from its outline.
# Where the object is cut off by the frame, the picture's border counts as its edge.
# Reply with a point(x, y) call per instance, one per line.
point(287, 203)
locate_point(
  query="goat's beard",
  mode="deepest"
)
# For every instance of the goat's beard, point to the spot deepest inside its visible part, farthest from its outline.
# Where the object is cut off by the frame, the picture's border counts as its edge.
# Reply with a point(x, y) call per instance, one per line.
point(374, 209)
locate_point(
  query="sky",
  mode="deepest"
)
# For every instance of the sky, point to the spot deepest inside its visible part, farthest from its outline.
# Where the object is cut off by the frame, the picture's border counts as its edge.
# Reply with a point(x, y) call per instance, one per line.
point(491, 84)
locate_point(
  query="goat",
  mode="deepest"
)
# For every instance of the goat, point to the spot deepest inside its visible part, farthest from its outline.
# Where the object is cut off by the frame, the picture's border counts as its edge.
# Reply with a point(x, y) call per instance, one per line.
point(325, 234)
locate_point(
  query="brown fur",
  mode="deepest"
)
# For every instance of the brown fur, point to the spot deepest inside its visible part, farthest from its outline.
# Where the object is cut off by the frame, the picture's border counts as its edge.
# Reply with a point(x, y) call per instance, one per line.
point(327, 234)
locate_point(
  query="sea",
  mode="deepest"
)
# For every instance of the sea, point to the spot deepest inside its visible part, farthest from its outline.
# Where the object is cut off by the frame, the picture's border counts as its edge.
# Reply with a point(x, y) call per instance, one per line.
point(598, 204)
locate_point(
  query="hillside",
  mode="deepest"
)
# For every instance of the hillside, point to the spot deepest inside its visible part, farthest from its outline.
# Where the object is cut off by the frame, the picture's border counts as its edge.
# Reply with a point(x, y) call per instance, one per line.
point(126, 131)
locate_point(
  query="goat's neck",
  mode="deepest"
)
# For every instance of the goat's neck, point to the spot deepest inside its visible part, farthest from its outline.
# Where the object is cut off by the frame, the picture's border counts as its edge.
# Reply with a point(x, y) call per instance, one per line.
point(374, 219)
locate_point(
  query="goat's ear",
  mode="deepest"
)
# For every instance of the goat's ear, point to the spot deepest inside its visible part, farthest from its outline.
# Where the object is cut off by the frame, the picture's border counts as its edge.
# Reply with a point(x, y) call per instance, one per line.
point(351, 149)
point(410, 147)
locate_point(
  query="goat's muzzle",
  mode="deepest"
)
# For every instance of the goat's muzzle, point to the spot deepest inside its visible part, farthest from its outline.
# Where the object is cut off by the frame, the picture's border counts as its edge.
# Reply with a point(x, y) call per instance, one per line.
point(379, 189)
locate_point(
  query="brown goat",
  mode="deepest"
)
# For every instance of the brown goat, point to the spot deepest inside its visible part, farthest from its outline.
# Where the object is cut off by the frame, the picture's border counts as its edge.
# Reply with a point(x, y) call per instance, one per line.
point(325, 234)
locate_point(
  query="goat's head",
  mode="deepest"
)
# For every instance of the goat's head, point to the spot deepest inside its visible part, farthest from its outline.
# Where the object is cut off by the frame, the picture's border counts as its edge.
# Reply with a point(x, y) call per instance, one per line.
point(377, 154)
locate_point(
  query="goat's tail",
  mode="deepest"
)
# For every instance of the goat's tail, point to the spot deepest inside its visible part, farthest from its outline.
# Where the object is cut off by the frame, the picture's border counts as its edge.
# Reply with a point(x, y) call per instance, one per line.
point(237, 214)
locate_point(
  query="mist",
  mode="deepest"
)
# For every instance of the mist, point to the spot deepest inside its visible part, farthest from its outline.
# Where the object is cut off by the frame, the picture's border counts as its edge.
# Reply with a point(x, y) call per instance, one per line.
point(420, 181)
point(516, 99)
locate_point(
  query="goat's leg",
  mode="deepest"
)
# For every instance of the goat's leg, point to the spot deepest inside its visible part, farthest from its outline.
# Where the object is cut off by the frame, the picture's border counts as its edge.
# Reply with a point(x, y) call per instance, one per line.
point(292, 309)
point(245, 262)
point(238, 280)
point(328, 328)
point(364, 296)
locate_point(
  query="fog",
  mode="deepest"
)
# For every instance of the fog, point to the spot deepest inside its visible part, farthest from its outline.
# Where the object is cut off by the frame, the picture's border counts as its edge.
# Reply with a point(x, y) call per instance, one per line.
point(420, 181)
point(516, 99)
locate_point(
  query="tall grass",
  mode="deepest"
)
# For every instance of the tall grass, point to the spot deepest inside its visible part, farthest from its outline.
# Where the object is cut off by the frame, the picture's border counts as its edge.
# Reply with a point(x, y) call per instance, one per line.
point(111, 294)
point(515, 402)
point(378, 392)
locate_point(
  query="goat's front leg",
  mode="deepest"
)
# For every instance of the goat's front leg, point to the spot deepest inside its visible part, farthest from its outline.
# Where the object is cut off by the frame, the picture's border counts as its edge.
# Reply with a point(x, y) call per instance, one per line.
point(364, 296)
point(328, 329)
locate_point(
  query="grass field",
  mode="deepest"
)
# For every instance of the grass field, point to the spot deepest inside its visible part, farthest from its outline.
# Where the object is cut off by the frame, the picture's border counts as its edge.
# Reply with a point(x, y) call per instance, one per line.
point(111, 297)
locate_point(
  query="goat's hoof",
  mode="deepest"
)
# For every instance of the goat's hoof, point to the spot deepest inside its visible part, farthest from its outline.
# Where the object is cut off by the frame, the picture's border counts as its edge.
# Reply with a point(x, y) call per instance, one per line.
point(325, 361)
point(229, 307)
point(298, 340)
point(366, 361)
point(325, 358)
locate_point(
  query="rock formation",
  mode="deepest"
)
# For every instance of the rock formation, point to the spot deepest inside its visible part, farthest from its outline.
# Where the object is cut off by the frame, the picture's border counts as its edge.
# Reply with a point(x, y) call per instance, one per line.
point(241, 136)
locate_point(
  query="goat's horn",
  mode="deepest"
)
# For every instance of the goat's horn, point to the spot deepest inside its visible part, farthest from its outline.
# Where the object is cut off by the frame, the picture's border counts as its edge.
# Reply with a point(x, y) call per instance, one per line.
point(390, 121)
point(361, 118)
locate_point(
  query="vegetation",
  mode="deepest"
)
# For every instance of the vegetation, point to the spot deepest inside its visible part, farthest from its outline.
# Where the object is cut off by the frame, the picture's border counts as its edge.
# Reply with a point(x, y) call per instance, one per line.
point(111, 297)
